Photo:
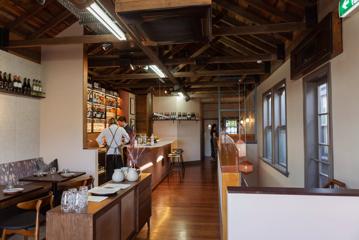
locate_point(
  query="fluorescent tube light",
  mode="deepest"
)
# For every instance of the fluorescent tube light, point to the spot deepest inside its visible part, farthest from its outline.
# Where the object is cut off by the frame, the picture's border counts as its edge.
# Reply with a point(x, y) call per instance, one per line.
point(103, 17)
point(157, 71)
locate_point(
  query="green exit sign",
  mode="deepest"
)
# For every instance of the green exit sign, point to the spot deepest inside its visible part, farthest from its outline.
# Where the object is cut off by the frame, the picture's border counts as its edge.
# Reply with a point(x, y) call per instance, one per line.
point(347, 6)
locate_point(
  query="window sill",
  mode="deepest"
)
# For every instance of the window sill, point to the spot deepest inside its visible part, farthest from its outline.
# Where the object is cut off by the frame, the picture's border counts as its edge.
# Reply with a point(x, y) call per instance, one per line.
point(280, 169)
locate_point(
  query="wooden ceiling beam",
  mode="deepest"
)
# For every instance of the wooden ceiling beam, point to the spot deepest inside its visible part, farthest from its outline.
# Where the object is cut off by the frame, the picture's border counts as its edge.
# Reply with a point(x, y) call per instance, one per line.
point(48, 26)
point(32, 12)
point(219, 83)
point(218, 73)
point(262, 5)
point(85, 39)
point(260, 29)
point(104, 61)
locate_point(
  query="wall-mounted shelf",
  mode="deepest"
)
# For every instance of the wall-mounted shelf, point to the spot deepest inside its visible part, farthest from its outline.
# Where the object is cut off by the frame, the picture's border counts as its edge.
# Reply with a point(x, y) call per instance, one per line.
point(21, 94)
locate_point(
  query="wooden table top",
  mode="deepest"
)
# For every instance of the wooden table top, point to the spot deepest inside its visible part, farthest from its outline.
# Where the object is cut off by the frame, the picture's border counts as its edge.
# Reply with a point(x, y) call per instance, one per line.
point(10, 199)
point(52, 178)
point(97, 207)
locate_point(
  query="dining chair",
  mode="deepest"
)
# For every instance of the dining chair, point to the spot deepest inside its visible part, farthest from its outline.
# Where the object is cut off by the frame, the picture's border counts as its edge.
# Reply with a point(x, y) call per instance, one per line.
point(76, 183)
point(27, 221)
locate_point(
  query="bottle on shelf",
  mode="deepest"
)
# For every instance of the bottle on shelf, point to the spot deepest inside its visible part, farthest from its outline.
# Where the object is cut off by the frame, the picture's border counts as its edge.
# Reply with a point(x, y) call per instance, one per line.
point(6, 84)
point(152, 139)
point(11, 83)
point(1, 81)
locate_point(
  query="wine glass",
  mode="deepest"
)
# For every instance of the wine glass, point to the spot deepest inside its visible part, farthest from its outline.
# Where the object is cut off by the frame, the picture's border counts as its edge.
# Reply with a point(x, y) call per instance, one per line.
point(66, 201)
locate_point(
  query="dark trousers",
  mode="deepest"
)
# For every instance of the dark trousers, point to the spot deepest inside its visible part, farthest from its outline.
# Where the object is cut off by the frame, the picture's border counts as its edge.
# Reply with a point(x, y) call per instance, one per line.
point(112, 162)
point(213, 149)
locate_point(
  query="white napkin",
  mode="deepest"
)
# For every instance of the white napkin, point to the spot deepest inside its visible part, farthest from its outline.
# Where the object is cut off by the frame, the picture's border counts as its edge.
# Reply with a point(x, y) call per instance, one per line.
point(95, 198)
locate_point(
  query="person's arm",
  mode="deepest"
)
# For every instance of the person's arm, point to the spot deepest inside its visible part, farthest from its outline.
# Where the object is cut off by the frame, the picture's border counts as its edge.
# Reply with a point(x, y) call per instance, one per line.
point(100, 137)
point(125, 135)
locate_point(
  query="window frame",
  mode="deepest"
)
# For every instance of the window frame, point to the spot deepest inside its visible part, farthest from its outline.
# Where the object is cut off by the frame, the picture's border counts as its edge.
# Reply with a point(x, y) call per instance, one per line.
point(276, 126)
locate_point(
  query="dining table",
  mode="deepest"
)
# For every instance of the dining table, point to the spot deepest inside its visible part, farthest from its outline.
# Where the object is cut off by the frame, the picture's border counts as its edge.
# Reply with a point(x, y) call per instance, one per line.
point(30, 191)
point(54, 180)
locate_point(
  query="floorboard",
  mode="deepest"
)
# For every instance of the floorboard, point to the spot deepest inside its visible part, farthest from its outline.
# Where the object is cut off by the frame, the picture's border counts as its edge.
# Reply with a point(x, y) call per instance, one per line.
point(186, 210)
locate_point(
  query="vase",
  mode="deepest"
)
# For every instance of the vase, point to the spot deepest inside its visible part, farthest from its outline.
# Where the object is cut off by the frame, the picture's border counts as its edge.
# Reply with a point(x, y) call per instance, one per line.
point(118, 176)
point(132, 175)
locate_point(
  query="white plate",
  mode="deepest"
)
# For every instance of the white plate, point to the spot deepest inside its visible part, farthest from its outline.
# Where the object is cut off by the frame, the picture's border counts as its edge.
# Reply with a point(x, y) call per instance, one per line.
point(13, 190)
point(101, 191)
point(70, 174)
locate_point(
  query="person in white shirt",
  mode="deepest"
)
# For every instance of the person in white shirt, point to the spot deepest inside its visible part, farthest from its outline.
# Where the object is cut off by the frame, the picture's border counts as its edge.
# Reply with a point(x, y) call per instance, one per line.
point(113, 136)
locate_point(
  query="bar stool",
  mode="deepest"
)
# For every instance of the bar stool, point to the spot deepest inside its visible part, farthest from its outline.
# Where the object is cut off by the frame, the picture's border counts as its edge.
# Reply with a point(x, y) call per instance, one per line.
point(176, 160)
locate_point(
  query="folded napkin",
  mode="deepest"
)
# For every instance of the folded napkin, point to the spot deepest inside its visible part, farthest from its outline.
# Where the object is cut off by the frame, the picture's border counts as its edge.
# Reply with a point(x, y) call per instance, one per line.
point(96, 198)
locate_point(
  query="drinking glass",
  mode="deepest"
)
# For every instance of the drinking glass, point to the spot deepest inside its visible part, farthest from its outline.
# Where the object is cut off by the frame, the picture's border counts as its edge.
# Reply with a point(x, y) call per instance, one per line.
point(52, 170)
point(66, 201)
point(10, 184)
point(81, 199)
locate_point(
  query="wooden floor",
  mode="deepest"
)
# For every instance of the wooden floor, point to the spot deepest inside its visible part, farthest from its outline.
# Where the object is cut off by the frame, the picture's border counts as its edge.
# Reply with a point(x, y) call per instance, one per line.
point(188, 209)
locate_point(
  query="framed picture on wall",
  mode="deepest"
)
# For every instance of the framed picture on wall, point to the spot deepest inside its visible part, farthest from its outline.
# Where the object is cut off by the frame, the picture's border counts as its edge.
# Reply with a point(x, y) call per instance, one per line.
point(132, 106)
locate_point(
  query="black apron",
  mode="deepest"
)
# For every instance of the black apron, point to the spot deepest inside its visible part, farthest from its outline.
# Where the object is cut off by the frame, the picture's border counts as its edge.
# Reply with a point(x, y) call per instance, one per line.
point(113, 161)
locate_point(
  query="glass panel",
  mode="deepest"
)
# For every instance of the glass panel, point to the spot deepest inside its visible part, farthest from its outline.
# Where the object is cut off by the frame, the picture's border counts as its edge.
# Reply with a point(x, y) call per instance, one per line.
point(282, 109)
point(324, 169)
point(324, 153)
point(269, 111)
point(265, 112)
point(323, 98)
point(268, 143)
point(323, 180)
point(323, 130)
point(282, 147)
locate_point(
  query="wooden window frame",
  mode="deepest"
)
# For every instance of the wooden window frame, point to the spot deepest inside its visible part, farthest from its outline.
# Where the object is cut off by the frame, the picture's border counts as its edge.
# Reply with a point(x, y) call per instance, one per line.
point(276, 126)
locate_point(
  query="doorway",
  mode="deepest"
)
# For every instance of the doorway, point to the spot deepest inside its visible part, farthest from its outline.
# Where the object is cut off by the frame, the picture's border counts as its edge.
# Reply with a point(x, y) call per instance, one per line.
point(207, 125)
point(317, 126)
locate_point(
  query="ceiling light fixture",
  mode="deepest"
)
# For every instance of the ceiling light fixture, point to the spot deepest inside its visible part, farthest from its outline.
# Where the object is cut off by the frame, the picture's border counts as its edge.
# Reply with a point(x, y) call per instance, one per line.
point(105, 19)
point(259, 61)
point(157, 71)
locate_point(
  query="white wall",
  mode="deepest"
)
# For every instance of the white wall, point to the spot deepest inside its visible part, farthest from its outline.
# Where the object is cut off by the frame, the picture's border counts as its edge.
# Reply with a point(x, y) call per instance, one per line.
point(61, 128)
point(294, 217)
point(187, 133)
point(345, 114)
point(345, 99)
point(268, 176)
point(19, 116)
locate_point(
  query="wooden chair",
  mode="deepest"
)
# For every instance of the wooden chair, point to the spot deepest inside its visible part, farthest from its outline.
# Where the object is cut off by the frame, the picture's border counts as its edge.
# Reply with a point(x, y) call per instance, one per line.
point(333, 183)
point(76, 183)
point(27, 221)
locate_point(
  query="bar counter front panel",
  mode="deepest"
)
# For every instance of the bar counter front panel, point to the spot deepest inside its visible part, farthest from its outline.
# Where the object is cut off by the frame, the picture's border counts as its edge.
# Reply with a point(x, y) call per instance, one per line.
point(158, 156)
point(118, 217)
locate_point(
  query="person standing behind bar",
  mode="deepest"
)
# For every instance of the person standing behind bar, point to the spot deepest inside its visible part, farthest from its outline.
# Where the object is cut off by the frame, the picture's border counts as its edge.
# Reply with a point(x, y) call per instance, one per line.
point(121, 120)
point(113, 136)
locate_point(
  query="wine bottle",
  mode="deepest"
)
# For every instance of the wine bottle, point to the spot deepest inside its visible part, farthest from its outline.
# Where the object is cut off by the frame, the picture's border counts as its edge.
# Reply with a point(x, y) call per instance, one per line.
point(1, 81)
point(19, 85)
point(11, 83)
point(5, 80)
point(15, 84)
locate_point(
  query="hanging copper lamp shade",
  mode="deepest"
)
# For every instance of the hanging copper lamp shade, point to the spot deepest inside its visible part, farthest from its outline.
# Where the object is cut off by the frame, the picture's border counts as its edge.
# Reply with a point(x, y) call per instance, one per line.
point(246, 167)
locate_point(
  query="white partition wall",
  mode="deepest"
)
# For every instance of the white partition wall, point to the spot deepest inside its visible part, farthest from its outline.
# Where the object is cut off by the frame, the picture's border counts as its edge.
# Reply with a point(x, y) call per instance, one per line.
point(292, 217)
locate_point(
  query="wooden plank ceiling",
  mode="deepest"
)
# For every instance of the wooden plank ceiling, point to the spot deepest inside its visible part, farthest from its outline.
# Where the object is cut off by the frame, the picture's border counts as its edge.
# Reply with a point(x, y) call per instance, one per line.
point(248, 41)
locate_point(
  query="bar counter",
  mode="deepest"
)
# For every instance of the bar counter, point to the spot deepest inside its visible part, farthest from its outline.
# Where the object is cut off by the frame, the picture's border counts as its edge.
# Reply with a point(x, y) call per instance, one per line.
point(118, 217)
point(154, 159)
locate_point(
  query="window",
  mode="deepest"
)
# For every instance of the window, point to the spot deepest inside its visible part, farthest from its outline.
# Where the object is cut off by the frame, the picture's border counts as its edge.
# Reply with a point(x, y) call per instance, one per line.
point(231, 126)
point(267, 125)
point(323, 133)
point(318, 145)
point(275, 127)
